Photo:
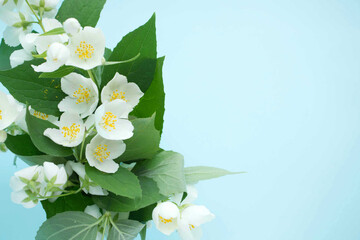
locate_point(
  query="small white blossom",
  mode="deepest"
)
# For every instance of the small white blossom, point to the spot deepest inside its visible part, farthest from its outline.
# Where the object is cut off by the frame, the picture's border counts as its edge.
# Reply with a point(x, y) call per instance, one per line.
point(83, 95)
point(43, 43)
point(18, 24)
point(21, 122)
point(57, 55)
point(166, 216)
point(119, 88)
point(111, 120)
point(26, 185)
point(18, 57)
point(55, 179)
point(87, 48)
point(72, 26)
point(48, 7)
point(9, 110)
point(100, 153)
point(85, 182)
point(71, 132)
point(190, 221)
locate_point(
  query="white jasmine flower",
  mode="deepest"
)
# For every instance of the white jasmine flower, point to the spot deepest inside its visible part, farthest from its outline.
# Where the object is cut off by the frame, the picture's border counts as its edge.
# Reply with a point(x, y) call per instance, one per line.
point(48, 6)
point(18, 24)
point(191, 219)
point(9, 110)
point(57, 55)
point(72, 26)
point(3, 136)
point(26, 186)
point(85, 182)
point(119, 88)
point(87, 48)
point(111, 120)
point(100, 153)
point(55, 179)
point(166, 216)
point(71, 132)
point(83, 95)
point(18, 57)
point(43, 43)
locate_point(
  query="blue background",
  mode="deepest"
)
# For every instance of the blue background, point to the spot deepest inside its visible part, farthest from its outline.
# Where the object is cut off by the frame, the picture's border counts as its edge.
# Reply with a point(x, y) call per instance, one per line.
point(268, 87)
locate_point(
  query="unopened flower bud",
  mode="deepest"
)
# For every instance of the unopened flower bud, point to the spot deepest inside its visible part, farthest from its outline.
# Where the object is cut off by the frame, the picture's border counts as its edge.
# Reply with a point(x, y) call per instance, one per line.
point(72, 26)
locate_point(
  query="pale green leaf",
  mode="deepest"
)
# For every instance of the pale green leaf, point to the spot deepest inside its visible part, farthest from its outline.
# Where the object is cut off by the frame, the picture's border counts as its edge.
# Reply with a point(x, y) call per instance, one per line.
point(69, 226)
point(196, 174)
point(125, 230)
point(166, 169)
point(55, 31)
point(61, 72)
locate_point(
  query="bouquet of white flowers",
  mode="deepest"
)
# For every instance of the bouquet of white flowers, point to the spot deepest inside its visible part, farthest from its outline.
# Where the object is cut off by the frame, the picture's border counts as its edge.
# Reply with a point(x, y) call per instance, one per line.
point(88, 120)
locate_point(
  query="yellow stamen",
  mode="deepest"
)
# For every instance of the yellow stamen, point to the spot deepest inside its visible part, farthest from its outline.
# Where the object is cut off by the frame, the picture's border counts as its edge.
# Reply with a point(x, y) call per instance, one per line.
point(109, 120)
point(71, 132)
point(82, 95)
point(84, 51)
point(165, 221)
point(101, 153)
point(41, 115)
point(118, 95)
point(0, 114)
point(191, 226)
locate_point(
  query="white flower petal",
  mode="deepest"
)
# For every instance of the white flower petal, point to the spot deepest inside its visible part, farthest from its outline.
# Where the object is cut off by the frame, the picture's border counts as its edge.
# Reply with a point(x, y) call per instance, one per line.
point(3, 136)
point(87, 48)
point(18, 57)
point(50, 170)
point(93, 210)
point(72, 26)
point(16, 184)
point(197, 215)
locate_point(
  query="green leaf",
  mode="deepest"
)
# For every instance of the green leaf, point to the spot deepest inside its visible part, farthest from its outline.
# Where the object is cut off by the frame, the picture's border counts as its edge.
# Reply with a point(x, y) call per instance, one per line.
point(69, 225)
point(196, 174)
point(61, 72)
point(36, 128)
point(22, 146)
point(143, 233)
point(76, 202)
point(153, 100)
point(5, 52)
point(87, 12)
point(167, 169)
point(40, 159)
point(55, 31)
point(25, 86)
point(144, 144)
point(125, 230)
point(150, 195)
point(141, 71)
point(143, 215)
point(123, 182)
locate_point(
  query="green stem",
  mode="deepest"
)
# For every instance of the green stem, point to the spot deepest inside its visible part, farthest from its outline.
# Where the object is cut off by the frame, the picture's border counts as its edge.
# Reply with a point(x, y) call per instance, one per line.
point(105, 225)
point(39, 20)
point(125, 61)
point(92, 76)
point(62, 195)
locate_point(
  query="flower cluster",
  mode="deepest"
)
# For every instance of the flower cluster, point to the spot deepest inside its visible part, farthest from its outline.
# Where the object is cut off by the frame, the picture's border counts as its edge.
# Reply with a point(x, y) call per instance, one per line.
point(36, 183)
point(181, 215)
point(90, 127)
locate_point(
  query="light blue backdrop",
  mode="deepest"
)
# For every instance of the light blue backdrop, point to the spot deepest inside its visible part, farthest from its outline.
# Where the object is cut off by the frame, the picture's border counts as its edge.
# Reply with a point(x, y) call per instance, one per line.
point(269, 87)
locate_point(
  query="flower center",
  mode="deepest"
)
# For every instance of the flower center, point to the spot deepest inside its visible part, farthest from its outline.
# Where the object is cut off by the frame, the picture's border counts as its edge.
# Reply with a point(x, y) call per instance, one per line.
point(0, 114)
point(109, 120)
point(82, 95)
point(101, 153)
point(71, 132)
point(41, 115)
point(191, 226)
point(118, 95)
point(165, 221)
point(84, 51)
